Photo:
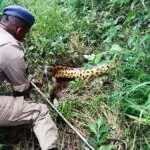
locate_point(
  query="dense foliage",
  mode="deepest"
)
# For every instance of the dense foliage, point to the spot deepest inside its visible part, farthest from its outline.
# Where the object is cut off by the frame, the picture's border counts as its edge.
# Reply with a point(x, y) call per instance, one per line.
point(66, 31)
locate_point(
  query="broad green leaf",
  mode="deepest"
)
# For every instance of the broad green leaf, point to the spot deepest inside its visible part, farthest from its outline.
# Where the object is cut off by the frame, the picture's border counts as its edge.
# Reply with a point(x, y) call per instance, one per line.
point(93, 128)
point(90, 57)
point(115, 47)
point(97, 59)
point(106, 147)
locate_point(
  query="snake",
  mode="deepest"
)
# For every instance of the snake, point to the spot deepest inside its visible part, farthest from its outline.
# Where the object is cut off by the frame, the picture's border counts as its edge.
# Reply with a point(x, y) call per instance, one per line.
point(77, 73)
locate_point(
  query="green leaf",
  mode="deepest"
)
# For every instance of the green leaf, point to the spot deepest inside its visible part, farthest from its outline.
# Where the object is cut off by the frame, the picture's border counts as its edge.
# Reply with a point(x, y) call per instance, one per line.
point(93, 128)
point(97, 58)
point(106, 147)
point(90, 57)
point(130, 16)
point(115, 47)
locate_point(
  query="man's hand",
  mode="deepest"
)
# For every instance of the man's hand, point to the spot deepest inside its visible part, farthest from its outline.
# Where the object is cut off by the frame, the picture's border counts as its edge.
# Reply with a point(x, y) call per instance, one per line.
point(25, 93)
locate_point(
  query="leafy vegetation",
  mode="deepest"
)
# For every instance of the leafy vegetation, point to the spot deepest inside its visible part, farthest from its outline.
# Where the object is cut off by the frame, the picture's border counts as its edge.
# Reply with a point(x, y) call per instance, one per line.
point(90, 32)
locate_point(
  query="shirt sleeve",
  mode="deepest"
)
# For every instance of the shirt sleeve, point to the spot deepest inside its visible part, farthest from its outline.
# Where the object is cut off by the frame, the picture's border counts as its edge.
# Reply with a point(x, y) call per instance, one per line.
point(15, 71)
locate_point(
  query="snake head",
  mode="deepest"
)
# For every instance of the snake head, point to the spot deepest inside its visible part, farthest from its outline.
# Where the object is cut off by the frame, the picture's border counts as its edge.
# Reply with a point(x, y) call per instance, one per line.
point(48, 72)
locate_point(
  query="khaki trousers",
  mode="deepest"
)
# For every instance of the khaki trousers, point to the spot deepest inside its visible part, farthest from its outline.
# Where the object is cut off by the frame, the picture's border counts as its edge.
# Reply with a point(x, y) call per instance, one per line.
point(15, 111)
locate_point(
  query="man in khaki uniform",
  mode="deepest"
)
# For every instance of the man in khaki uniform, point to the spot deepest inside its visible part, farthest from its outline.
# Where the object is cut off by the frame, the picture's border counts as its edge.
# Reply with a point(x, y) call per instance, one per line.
point(14, 110)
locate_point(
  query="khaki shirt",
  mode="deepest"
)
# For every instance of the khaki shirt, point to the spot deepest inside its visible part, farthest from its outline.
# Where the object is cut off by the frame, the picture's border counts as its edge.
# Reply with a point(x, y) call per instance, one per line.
point(12, 65)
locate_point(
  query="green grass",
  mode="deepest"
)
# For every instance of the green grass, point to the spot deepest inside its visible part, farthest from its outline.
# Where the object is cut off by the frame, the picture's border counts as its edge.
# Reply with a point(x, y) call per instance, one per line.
point(64, 32)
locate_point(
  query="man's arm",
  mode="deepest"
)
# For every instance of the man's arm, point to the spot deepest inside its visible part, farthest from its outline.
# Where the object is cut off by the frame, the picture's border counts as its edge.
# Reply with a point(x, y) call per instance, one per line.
point(15, 71)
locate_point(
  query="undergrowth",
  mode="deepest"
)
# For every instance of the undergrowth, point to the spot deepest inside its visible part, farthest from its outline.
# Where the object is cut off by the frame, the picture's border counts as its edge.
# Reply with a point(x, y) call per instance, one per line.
point(78, 33)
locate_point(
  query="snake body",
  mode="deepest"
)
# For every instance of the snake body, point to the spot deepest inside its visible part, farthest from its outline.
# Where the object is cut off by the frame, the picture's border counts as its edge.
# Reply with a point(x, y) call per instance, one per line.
point(60, 75)
point(80, 73)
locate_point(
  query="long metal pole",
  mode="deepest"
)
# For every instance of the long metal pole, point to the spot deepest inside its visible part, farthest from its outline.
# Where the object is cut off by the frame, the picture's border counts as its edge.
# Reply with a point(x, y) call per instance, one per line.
point(70, 125)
